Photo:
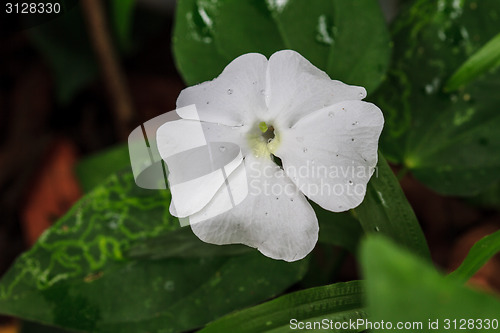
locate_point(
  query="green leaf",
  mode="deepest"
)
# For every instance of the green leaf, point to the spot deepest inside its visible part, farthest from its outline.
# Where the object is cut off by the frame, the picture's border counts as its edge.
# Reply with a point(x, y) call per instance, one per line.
point(448, 140)
point(182, 243)
point(80, 274)
point(478, 255)
point(337, 303)
point(122, 12)
point(93, 170)
point(385, 210)
point(340, 229)
point(401, 287)
point(486, 58)
point(336, 36)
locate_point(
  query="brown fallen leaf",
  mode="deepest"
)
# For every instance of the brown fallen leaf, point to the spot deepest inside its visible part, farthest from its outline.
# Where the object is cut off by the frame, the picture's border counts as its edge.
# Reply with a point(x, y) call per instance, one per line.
point(54, 190)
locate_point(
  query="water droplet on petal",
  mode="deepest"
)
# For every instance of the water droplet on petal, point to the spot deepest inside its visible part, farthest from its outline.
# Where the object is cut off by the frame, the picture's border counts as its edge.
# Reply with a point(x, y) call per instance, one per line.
point(230, 91)
point(263, 91)
point(330, 114)
point(222, 148)
point(304, 150)
point(377, 229)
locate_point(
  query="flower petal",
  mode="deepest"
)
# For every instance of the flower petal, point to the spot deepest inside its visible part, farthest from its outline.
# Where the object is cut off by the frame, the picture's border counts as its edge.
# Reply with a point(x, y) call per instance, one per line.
point(274, 218)
point(296, 88)
point(198, 156)
point(234, 97)
point(331, 154)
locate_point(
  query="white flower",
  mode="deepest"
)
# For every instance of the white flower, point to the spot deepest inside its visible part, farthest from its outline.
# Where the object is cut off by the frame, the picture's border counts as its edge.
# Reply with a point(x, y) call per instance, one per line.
point(324, 135)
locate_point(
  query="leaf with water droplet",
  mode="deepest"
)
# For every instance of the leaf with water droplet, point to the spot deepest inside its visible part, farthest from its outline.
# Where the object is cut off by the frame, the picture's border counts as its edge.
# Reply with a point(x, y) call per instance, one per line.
point(385, 210)
point(414, 94)
point(231, 28)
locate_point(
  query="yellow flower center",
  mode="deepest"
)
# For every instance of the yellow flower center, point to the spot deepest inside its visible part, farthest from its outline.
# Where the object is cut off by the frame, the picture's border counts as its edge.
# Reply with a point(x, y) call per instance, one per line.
point(263, 140)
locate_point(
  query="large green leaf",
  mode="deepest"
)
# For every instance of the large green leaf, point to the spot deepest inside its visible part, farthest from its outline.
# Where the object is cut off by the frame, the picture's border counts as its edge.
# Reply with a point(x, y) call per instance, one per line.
point(340, 229)
point(450, 141)
point(80, 274)
point(347, 39)
point(385, 210)
point(327, 305)
point(403, 288)
point(478, 255)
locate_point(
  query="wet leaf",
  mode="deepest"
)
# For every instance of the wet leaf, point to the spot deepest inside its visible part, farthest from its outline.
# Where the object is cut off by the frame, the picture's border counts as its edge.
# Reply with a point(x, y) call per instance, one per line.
point(338, 302)
point(449, 141)
point(81, 276)
point(336, 36)
point(386, 211)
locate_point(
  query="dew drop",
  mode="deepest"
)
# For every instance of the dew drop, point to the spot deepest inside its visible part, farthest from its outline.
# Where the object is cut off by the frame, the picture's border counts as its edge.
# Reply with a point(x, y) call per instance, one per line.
point(169, 285)
point(361, 94)
point(352, 139)
point(304, 150)
point(263, 91)
point(350, 182)
point(222, 148)
point(208, 102)
point(230, 91)
point(330, 114)
point(377, 229)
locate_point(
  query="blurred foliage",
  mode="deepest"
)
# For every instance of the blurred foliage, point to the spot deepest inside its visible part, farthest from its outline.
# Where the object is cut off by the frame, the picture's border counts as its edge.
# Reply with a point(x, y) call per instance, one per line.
point(449, 140)
point(65, 44)
point(479, 255)
point(403, 288)
point(484, 60)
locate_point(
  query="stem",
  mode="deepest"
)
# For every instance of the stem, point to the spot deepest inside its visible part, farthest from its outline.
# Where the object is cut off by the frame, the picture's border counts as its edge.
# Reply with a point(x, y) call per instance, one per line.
point(112, 73)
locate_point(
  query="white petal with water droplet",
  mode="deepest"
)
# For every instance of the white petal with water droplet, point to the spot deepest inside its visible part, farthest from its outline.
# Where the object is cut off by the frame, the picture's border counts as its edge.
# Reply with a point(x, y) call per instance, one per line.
point(280, 225)
point(296, 88)
point(336, 159)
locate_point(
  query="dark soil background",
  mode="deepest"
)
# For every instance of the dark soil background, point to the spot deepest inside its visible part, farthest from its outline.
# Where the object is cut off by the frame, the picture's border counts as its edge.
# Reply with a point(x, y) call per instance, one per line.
point(40, 143)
